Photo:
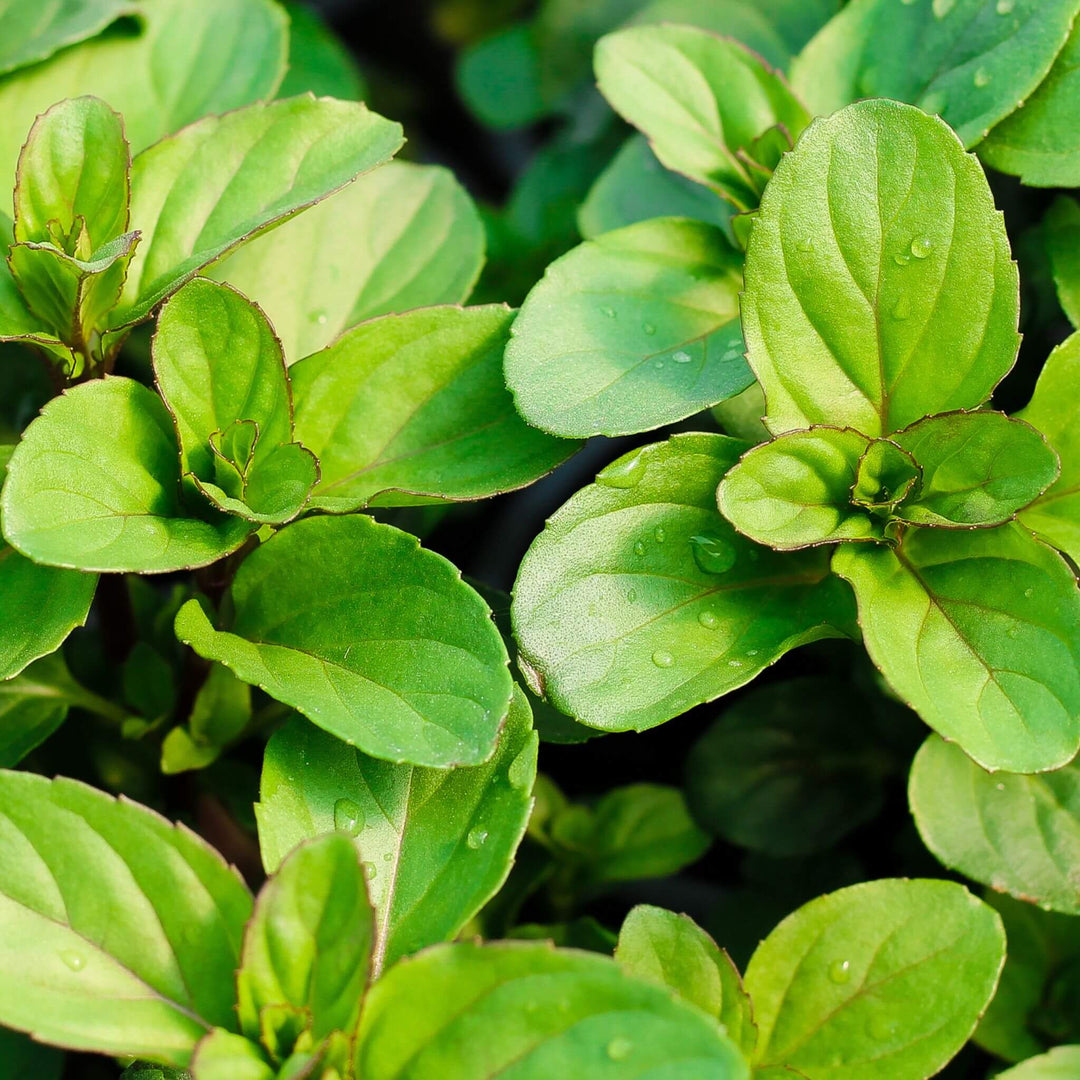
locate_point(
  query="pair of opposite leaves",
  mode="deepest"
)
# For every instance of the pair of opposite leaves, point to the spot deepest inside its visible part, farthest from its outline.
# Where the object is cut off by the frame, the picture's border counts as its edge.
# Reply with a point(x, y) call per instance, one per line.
point(823, 987)
point(879, 295)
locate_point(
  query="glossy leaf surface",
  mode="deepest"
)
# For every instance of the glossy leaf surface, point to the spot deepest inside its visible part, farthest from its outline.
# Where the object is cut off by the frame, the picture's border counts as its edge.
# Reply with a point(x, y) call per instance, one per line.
point(31, 32)
point(976, 631)
point(630, 331)
point(639, 601)
point(372, 637)
point(120, 931)
point(885, 976)
point(879, 284)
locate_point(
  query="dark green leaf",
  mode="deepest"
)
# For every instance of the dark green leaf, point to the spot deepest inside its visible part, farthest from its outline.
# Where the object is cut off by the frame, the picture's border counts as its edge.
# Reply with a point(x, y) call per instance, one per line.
point(221, 712)
point(1061, 229)
point(879, 284)
point(976, 631)
point(630, 331)
point(319, 61)
point(372, 637)
point(499, 79)
point(33, 32)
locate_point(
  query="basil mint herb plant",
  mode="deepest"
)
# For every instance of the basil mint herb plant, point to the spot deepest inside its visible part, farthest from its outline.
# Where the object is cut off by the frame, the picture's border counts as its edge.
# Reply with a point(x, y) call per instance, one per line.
point(270, 806)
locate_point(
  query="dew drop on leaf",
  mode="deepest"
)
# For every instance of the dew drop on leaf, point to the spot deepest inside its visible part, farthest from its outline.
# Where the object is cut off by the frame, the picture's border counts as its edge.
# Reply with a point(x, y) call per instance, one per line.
point(1014, 631)
point(639, 548)
point(662, 659)
point(840, 971)
point(712, 554)
point(681, 357)
point(370, 871)
point(659, 533)
point(626, 473)
point(648, 328)
point(476, 838)
point(708, 620)
point(609, 312)
point(631, 596)
point(73, 959)
point(806, 245)
point(348, 817)
point(901, 258)
point(1029, 592)
point(619, 1048)
point(982, 78)
point(921, 246)
point(318, 317)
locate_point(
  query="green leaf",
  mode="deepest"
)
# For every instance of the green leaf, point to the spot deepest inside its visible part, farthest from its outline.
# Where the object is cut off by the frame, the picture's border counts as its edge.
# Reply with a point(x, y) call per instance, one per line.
point(672, 950)
point(319, 61)
point(436, 844)
point(976, 631)
point(218, 183)
point(978, 469)
point(20, 1057)
point(95, 485)
point(971, 61)
point(888, 978)
point(221, 712)
point(18, 323)
point(403, 237)
point(630, 331)
point(702, 100)
point(1055, 410)
point(1061, 1063)
point(498, 78)
point(1039, 142)
point(879, 285)
point(120, 932)
point(406, 408)
point(30, 33)
point(583, 1017)
point(784, 770)
point(639, 601)
point(225, 1056)
point(373, 638)
point(636, 187)
point(1018, 834)
point(885, 478)
point(234, 55)
point(1061, 229)
point(308, 945)
point(796, 491)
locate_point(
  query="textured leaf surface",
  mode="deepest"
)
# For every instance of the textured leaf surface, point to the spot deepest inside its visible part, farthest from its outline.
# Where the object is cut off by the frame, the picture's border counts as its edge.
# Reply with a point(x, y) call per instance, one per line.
point(972, 61)
point(879, 285)
point(700, 99)
point(192, 58)
point(372, 637)
point(672, 950)
point(120, 931)
point(436, 843)
point(976, 631)
point(413, 406)
point(1055, 410)
point(1018, 834)
point(885, 978)
point(586, 1016)
point(200, 193)
point(404, 237)
point(639, 601)
point(308, 945)
point(630, 331)
point(95, 485)
point(33, 32)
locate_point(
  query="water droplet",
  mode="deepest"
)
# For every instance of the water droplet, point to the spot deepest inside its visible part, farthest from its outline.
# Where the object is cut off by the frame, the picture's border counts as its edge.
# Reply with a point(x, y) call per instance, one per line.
point(921, 246)
point(1005, 7)
point(387, 857)
point(348, 817)
point(658, 364)
point(476, 838)
point(681, 357)
point(902, 309)
point(752, 652)
point(943, 7)
point(1000, 787)
point(631, 596)
point(712, 554)
point(901, 259)
point(609, 312)
point(624, 473)
point(663, 659)
point(619, 1048)
point(74, 960)
point(648, 328)
point(520, 772)
point(659, 533)
point(370, 870)
point(639, 548)
point(1029, 592)
point(708, 619)
point(982, 78)
point(1014, 631)
point(735, 663)
point(318, 317)
point(840, 971)
point(806, 245)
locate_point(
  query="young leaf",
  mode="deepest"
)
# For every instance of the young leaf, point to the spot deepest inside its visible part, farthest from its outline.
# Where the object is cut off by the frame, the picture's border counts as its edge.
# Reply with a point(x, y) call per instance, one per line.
point(796, 491)
point(17, 322)
point(1039, 142)
point(1061, 230)
point(672, 950)
point(879, 286)
point(436, 844)
point(1055, 410)
point(639, 601)
point(976, 631)
point(308, 945)
point(221, 712)
point(403, 237)
point(95, 485)
point(222, 1055)
point(636, 187)
point(630, 331)
point(784, 770)
point(575, 1013)
point(370, 636)
point(888, 978)
point(704, 101)
point(409, 407)
point(234, 55)
point(120, 932)
point(30, 32)
point(1061, 1063)
point(1018, 834)
point(971, 61)
point(200, 193)
point(886, 476)
point(978, 469)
